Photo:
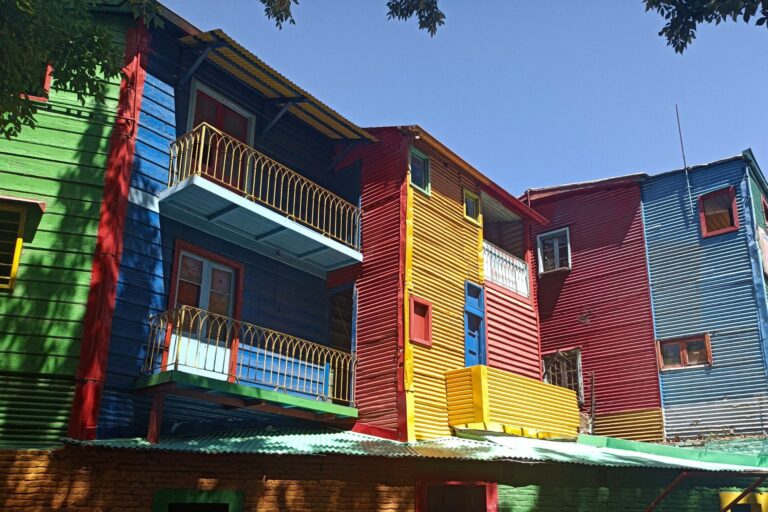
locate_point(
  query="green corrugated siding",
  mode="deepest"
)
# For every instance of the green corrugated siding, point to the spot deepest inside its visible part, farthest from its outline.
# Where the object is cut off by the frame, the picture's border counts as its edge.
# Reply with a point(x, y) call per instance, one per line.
point(61, 162)
point(757, 204)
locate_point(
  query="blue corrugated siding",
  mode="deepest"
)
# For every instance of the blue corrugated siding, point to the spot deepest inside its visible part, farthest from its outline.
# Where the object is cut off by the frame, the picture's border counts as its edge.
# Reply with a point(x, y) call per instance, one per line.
point(276, 296)
point(704, 285)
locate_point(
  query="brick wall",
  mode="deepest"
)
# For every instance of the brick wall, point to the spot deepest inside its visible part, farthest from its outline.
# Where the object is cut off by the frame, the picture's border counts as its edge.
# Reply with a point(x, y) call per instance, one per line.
point(77, 479)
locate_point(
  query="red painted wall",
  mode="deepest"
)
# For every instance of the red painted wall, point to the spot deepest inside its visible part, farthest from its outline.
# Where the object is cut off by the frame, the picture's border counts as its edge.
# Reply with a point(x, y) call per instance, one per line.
point(512, 332)
point(378, 389)
point(603, 303)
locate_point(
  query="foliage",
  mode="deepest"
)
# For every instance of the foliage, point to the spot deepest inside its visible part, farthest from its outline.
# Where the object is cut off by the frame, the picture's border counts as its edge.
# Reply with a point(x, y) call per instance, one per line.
point(683, 16)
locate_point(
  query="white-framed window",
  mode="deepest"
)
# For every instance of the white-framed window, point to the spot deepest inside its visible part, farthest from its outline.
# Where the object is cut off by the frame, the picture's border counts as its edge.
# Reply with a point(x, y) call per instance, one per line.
point(204, 284)
point(554, 250)
point(564, 369)
point(208, 105)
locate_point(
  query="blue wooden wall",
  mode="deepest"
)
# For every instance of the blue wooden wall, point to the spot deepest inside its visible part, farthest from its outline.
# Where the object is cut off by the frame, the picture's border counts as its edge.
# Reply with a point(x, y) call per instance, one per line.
point(275, 295)
point(706, 285)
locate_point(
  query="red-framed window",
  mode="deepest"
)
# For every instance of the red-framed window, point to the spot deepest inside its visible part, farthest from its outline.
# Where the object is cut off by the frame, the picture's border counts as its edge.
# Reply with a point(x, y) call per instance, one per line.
point(718, 213)
point(421, 321)
point(41, 92)
point(456, 496)
point(765, 209)
point(212, 111)
point(685, 352)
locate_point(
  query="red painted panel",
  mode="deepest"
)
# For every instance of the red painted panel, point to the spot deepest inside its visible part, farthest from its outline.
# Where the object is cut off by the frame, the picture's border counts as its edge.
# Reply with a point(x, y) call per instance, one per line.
point(378, 391)
point(512, 333)
point(602, 305)
point(343, 276)
point(97, 323)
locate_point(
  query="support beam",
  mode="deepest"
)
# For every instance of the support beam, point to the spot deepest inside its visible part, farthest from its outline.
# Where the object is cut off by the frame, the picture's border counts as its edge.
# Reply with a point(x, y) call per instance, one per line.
point(744, 493)
point(285, 99)
point(671, 487)
point(199, 60)
point(275, 119)
point(156, 419)
point(221, 213)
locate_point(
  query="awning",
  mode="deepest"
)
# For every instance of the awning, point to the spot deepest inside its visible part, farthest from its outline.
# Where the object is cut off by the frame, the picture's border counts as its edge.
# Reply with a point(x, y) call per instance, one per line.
point(239, 62)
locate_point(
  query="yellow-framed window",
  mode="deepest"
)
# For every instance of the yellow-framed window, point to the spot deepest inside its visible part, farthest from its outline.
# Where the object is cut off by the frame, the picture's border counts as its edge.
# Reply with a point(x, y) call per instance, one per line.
point(472, 206)
point(12, 219)
point(752, 502)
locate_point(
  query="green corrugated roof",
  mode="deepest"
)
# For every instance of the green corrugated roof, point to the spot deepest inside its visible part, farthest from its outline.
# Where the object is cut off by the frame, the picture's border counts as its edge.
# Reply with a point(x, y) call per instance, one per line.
point(489, 448)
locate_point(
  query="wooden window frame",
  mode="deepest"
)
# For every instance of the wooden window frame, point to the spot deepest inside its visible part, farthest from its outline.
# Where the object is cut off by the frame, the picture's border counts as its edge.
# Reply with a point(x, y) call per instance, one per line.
point(47, 78)
point(705, 337)
point(22, 211)
point(422, 492)
point(731, 191)
point(476, 197)
point(419, 154)
point(540, 251)
point(425, 342)
point(579, 368)
point(163, 498)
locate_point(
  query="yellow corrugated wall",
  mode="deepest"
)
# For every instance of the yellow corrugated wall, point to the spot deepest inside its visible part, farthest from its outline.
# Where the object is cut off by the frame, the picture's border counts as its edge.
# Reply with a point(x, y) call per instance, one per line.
point(444, 254)
point(642, 425)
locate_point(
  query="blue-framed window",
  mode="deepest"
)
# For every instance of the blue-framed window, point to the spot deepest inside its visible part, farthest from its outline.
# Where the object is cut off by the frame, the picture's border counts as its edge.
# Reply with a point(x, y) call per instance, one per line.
point(474, 324)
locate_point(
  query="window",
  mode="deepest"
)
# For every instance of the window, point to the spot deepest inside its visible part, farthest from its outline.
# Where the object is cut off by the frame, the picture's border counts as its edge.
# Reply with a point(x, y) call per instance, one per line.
point(421, 321)
point(752, 502)
point(40, 91)
point(564, 369)
point(683, 352)
point(554, 250)
point(204, 284)
point(765, 210)
point(11, 239)
point(420, 171)
point(197, 501)
point(474, 325)
point(718, 213)
point(456, 496)
point(471, 206)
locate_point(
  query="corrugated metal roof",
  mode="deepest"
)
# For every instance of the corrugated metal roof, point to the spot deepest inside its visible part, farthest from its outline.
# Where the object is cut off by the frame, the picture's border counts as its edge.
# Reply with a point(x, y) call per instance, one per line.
point(488, 448)
point(233, 58)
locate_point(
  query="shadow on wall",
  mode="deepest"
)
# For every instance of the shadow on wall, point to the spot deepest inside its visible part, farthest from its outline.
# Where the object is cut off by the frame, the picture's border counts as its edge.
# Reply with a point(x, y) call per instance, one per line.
point(42, 318)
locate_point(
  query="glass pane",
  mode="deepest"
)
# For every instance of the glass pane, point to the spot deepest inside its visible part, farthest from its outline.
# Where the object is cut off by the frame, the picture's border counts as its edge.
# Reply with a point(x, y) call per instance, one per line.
point(473, 324)
point(718, 213)
point(188, 294)
point(191, 269)
point(548, 254)
point(471, 206)
point(670, 354)
point(563, 249)
point(218, 303)
point(418, 171)
point(697, 352)
point(221, 280)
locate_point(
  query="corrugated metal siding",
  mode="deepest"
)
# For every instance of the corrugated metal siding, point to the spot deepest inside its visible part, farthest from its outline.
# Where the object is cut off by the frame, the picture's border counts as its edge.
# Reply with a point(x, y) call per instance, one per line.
point(512, 332)
point(379, 287)
point(274, 295)
point(61, 162)
point(445, 255)
point(603, 303)
point(704, 285)
point(730, 416)
point(644, 425)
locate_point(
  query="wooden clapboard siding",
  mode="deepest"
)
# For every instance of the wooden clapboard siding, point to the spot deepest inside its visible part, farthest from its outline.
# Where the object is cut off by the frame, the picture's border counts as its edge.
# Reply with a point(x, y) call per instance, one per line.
point(445, 254)
point(61, 162)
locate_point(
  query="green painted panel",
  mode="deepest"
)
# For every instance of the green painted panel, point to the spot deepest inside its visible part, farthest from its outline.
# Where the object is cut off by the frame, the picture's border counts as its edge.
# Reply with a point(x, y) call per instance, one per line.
point(61, 162)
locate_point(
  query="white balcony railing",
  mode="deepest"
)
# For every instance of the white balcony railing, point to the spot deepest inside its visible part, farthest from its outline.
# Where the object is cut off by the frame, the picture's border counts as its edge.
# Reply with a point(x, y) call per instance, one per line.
point(505, 270)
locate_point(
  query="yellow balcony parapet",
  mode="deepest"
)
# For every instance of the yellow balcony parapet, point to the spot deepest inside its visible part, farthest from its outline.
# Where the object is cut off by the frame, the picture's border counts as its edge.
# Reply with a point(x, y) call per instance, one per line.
point(483, 398)
point(208, 152)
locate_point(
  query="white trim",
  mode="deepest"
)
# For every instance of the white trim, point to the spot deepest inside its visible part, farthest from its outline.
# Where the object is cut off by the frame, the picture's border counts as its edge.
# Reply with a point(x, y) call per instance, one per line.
point(197, 85)
point(539, 253)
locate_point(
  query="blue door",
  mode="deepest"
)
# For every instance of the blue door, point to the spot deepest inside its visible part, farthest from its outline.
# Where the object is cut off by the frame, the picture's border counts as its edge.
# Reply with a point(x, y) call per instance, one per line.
point(474, 328)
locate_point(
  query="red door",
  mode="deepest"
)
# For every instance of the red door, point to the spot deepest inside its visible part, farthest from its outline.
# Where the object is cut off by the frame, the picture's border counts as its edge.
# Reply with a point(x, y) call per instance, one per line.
point(225, 159)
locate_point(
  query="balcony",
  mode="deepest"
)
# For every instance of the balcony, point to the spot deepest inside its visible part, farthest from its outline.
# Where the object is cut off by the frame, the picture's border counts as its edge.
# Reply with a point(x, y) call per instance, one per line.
point(506, 270)
point(227, 188)
point(192, 352)
point(484, 398)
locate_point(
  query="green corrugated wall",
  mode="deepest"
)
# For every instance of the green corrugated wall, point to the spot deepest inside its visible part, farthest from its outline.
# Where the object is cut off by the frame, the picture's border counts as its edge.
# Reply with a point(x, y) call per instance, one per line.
point(61, 162)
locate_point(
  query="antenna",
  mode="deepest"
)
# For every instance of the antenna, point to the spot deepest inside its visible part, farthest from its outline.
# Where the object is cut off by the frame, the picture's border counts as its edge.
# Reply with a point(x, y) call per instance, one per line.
point(685, 163)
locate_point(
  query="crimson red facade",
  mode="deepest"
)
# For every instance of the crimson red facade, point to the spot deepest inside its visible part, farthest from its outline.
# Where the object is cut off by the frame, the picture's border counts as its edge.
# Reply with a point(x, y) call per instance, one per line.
point(602, 305)
point(378, 387)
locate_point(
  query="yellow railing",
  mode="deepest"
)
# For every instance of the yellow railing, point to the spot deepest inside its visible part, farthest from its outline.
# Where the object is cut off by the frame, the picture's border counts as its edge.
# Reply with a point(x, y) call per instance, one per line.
point(207, 151)
point(203, 343)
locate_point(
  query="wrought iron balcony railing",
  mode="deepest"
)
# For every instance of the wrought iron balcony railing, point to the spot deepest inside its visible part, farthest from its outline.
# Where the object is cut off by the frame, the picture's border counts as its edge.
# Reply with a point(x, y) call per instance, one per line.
point(207, 151)
point(504, 269)
point(203, 343)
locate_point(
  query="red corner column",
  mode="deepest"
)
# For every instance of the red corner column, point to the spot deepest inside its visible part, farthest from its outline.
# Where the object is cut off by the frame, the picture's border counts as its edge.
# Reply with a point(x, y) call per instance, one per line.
point(97, 324)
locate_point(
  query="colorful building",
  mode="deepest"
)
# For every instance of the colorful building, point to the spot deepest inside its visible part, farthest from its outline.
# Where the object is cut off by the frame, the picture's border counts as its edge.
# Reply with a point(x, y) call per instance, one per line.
point(641, 259)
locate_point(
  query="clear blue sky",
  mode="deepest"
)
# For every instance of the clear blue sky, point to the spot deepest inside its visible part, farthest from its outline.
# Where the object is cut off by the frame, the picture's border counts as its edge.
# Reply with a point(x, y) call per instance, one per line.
point(531, 93)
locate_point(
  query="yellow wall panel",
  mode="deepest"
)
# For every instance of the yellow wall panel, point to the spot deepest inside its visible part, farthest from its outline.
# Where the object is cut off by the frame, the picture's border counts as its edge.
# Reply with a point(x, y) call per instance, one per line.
point(642, 425)
point(444, 255)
